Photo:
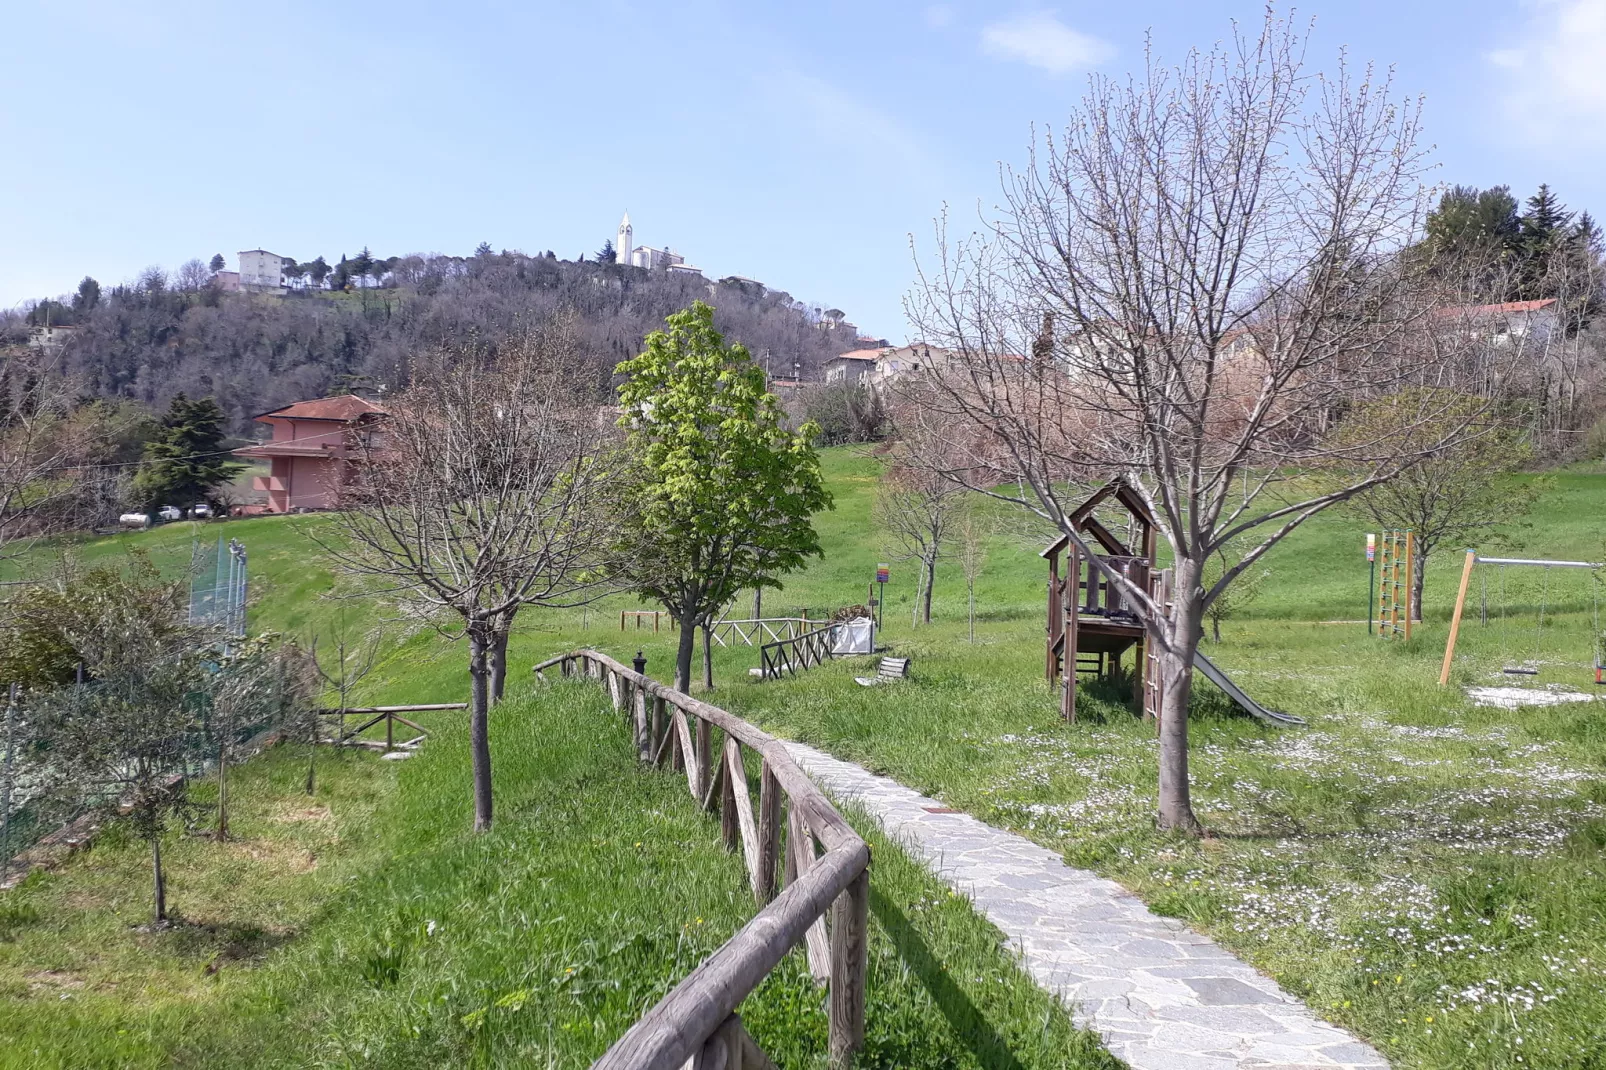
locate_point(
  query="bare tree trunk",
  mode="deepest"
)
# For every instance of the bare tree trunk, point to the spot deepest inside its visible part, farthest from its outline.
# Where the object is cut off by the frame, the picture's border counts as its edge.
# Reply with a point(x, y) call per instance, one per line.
point(222, 832)
point(683, 656)
point(1418, 575)
point(708, 657)
point(1176, 667)
point(498, 661)
point(931, 581)
point(160, 882)
point(479, 721)
point(971, 584)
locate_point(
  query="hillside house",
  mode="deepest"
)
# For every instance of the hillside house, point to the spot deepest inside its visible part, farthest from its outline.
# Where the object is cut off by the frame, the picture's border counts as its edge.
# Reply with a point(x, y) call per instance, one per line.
point(850, 367)
point(312, 443)
point(262, 270)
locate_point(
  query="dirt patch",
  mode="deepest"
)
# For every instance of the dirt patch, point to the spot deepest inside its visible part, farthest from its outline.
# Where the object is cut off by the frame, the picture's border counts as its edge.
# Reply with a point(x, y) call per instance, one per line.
point(292, 814)
point(283, 857)
point(52, 981)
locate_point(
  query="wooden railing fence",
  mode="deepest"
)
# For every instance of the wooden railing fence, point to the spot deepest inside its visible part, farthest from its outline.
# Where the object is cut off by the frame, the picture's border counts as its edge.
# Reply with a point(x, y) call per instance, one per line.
point(800, 652)
point(754, 632)
point(389, 715)
point(824, 871)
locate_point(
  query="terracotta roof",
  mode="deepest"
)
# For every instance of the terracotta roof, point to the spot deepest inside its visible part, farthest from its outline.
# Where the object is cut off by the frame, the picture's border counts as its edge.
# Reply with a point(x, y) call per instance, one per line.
point(343, 409)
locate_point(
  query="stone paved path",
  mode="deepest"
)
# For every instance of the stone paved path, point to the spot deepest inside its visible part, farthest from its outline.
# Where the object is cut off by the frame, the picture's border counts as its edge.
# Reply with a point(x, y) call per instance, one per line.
point(1162, 996)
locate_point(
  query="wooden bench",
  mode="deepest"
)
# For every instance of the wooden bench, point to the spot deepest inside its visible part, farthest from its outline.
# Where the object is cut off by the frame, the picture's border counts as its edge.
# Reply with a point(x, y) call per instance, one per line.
point(890, 669)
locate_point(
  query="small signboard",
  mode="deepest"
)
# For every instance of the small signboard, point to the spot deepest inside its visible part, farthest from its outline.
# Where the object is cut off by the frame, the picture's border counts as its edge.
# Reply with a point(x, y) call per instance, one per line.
point(1371, 546)
point(881, 572)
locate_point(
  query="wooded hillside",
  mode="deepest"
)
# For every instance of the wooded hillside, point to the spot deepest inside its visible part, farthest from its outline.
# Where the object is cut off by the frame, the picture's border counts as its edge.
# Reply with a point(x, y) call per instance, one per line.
point(158, 336)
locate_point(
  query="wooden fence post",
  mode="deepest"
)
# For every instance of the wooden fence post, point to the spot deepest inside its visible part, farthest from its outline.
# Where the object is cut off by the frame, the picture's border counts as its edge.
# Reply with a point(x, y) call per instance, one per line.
point(849, 962)
point(644, 740)
point(735, 780)
point(769, 831)
point(705, 751)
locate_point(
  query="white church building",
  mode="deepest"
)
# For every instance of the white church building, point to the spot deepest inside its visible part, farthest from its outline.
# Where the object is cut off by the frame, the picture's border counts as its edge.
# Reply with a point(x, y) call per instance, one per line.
point(645, 256)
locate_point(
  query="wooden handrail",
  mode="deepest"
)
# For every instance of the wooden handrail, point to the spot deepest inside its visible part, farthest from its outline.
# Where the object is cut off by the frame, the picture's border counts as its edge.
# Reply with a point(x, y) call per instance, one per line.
point(698, 1013)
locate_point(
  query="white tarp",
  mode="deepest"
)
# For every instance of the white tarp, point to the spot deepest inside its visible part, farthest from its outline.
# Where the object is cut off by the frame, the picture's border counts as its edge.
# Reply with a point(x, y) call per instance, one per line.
point(855, 636)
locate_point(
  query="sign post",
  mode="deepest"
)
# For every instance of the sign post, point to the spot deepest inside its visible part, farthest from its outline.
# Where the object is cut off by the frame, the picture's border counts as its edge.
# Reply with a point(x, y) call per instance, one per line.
point(881, 574)
point(1371, 584)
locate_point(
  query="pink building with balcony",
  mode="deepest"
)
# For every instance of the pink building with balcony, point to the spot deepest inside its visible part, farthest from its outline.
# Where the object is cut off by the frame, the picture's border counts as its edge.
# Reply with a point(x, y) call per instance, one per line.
point(312, 443)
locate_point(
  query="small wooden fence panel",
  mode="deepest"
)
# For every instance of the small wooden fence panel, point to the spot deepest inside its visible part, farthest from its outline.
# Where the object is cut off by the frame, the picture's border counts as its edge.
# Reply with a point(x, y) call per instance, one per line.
point(758, 631)
point(801, 652)
point(390, 715)
point(820, 903)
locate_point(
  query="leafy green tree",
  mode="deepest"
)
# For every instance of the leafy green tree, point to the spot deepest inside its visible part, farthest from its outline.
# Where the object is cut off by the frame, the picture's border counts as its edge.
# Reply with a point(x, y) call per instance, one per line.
point(721, 493)
point(361, 267)
point(185, 460)
point(126, 727)
point(49, 313)
point(1469, 220)
point(87, 297)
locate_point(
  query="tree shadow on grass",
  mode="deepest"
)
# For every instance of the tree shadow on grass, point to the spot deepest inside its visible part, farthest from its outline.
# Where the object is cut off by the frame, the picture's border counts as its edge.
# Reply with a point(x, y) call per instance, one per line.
point(970, 1026)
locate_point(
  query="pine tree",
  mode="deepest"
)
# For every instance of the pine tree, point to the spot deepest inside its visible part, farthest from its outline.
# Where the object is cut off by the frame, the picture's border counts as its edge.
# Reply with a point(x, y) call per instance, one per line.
point(87, 297)
point(186, 461)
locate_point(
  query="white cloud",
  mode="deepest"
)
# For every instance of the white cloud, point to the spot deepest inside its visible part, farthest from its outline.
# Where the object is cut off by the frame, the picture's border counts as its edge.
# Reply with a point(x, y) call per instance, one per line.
point(1554, 79)
point(1039, 39)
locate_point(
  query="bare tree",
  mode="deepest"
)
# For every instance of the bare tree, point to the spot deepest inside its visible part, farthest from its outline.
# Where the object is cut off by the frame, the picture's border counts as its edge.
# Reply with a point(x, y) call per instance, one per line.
point(1458, 494)
point(1188, 289)
point(973, 534)
point(480, 495)
point(42, 449)
point(916, 506)
point(192, 276)
point(344, 664)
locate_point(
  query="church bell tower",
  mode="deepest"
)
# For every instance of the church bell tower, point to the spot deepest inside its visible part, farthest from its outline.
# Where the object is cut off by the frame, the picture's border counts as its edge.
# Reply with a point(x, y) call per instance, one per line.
point(623, 245)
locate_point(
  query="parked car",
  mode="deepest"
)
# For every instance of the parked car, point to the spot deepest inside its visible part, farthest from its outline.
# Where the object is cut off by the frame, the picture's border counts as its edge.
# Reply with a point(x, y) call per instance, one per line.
point(170, 512)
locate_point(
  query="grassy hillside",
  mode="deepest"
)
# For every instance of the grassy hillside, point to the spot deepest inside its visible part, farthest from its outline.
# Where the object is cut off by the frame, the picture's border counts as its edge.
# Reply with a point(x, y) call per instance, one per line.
point(368, 926)
point(1423, 870)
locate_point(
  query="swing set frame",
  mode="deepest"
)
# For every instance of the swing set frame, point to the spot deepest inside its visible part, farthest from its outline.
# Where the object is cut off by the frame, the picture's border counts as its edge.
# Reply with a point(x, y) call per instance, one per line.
point(1596, 654)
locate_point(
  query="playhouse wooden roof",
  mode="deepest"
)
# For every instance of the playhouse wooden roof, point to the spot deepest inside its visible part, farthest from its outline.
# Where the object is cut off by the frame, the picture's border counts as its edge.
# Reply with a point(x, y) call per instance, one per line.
point(1083, 518)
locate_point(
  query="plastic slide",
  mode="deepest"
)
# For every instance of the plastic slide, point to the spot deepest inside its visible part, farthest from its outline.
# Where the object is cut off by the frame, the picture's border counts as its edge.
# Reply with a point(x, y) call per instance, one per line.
point(1234, 692)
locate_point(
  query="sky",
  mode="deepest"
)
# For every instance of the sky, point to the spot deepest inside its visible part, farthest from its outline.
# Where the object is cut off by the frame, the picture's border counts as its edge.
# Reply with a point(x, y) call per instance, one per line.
point(808, 146)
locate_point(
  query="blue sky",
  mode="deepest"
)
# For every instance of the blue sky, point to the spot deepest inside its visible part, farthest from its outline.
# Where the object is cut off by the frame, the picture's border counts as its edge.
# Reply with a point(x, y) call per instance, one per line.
point(797, 144)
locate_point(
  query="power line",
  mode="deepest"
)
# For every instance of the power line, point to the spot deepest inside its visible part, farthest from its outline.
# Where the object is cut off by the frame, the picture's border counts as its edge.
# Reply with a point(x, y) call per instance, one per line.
point(186, 457)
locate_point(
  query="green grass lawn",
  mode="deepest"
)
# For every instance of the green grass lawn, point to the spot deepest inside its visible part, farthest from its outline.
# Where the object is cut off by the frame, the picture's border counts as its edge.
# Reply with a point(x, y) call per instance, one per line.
point(1425, 871)
point(367, 925)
